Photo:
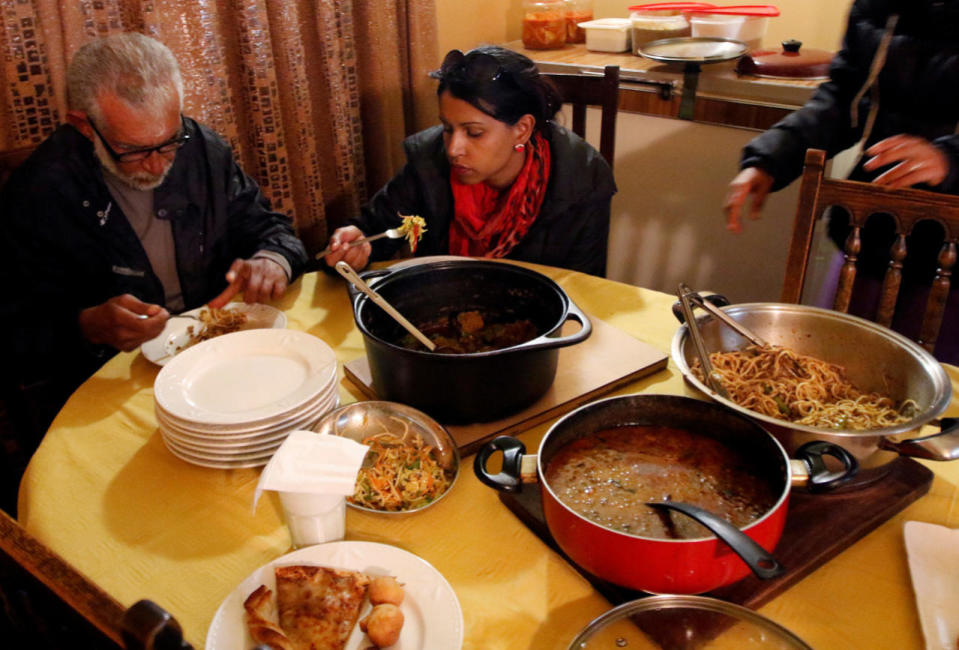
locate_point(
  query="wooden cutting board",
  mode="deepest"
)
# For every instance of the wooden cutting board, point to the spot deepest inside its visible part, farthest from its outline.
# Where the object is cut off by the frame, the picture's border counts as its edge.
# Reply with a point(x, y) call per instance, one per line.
point(607, 360)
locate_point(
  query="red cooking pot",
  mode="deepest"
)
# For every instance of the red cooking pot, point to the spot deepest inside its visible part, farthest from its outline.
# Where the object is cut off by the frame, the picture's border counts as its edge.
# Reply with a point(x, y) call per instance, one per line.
point(652, 564)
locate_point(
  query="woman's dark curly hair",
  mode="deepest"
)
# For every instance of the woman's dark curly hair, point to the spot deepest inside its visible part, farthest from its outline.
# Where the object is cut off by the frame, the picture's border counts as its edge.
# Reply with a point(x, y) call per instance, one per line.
point(499, 82)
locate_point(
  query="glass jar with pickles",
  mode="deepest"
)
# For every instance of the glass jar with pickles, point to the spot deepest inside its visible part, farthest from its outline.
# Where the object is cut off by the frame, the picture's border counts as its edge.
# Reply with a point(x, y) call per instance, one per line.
point(577, 11)
point(544, 24)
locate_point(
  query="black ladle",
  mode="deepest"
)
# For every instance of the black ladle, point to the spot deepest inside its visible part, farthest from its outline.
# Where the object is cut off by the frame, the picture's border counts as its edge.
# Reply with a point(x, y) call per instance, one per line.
point(758, 559)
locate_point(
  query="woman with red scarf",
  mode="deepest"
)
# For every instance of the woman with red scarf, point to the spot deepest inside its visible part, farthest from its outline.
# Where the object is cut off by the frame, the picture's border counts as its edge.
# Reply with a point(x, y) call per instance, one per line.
point(498, 178)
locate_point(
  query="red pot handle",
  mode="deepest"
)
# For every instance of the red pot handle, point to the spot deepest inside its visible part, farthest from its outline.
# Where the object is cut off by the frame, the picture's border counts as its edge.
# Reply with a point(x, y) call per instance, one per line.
point(510, 479)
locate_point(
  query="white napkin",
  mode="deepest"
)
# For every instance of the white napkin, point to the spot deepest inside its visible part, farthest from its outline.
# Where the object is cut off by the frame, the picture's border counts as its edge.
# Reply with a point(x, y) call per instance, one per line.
point(933, 553)
point(311, 462)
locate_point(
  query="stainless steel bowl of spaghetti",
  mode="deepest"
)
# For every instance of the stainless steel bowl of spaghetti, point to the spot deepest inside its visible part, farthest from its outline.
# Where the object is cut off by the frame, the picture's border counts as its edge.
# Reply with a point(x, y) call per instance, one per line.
point(829, 376)
point(412, 460)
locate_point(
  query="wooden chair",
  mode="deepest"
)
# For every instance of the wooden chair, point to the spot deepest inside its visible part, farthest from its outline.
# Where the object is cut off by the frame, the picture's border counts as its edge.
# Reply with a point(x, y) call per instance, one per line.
point(587, 90)
point(46, 603)
point(861, 200)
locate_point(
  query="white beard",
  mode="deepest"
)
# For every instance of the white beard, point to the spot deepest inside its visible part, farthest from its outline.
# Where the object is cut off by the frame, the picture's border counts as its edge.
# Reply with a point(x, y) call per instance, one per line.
point(140, 180)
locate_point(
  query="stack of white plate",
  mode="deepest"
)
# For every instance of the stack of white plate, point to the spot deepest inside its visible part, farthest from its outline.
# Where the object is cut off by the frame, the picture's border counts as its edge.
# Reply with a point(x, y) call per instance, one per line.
point(231, 401)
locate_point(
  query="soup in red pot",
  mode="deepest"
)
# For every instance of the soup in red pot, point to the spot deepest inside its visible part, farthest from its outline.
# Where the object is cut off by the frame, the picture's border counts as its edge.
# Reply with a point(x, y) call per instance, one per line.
point(608, 478)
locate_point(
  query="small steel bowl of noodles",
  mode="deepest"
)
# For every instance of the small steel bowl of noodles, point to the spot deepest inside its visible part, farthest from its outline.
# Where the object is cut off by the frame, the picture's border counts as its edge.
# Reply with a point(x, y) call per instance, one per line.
point(412, 462)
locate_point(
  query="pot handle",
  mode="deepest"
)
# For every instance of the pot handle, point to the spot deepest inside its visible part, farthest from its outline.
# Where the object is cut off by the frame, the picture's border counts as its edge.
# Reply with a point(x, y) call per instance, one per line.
point(572, 311)
point(510, 478)
point(715, 298)
point(819, 477)
point(758, 559)
point(938, 446)
point(369, 277)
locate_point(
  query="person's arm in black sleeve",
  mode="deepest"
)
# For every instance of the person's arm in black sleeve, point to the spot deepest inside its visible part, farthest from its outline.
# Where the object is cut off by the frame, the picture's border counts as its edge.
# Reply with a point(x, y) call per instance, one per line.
point(254, 226)
point(824, 122)
point(949, 145)
point(591, 243)
point(45, 291)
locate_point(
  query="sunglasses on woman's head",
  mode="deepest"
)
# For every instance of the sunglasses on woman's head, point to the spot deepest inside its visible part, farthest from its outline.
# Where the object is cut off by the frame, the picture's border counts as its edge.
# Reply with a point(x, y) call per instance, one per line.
point(473, 66)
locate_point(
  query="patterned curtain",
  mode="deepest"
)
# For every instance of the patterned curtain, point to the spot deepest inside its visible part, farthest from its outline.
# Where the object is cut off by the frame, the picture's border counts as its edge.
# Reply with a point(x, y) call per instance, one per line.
point(315, 96)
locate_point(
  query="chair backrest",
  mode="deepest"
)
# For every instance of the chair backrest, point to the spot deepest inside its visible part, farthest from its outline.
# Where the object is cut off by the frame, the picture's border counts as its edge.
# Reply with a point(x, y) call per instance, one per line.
point(49, 604)
point(10, 160)
point(590, 90)
point(907, 207)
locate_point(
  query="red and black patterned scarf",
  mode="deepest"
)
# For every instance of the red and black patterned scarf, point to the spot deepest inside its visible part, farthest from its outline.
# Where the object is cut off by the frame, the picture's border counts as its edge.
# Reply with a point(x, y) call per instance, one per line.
point(489, 222)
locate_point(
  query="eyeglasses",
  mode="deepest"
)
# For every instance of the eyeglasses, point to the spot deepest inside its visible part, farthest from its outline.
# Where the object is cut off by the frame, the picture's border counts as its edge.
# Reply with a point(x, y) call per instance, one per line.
point(471, 67)
point(171, 145)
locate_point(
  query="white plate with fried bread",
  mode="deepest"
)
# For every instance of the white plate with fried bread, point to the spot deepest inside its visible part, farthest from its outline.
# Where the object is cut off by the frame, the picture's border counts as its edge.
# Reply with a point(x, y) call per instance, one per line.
point(180, 331)
point(432, 614)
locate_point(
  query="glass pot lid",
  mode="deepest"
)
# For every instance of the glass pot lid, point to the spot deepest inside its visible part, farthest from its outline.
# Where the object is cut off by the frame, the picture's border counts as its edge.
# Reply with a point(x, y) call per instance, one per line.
point(684, 623)
point(693, 50)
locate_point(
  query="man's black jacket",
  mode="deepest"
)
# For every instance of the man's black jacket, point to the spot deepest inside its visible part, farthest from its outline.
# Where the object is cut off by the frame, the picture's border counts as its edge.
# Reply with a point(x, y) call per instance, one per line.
point(65, 244)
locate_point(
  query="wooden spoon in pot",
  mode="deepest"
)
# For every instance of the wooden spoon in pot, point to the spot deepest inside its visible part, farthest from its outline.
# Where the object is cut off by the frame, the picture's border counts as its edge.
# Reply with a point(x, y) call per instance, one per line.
point(347, 272)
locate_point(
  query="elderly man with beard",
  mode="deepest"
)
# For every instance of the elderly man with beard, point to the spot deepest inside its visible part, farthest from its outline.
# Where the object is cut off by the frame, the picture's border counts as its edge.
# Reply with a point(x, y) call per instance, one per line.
point(124, 215)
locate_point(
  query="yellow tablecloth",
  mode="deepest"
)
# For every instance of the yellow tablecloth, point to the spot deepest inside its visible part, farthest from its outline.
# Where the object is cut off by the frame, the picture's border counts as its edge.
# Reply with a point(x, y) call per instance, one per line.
point(104, 492)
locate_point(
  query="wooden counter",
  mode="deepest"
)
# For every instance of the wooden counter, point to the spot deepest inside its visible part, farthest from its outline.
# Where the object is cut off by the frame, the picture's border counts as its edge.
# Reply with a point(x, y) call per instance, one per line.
point(723, 97)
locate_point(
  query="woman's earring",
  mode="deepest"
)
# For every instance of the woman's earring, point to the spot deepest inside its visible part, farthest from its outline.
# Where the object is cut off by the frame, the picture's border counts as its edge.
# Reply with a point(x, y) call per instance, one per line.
point(519, 147)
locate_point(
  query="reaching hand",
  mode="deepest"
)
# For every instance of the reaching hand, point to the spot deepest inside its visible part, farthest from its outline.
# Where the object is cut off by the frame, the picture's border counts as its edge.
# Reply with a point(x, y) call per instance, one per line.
point(357, 257)
point(919, 161)
point(751, 181)
point(123, 322)
point(260, 279)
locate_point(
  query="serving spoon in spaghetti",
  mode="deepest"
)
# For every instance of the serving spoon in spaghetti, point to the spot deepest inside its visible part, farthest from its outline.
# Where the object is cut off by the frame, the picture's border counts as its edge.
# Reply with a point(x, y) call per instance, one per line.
point(697, 300)
point(711, 377)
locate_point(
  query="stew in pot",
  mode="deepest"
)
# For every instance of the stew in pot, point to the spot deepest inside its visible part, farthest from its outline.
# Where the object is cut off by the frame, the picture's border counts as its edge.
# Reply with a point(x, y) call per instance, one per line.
point(470, 331)
point(608, 478)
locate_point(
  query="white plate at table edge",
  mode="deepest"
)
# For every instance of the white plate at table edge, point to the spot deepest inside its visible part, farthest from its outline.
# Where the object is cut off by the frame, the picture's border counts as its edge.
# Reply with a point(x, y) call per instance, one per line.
point(174, 338)
point(431, 609)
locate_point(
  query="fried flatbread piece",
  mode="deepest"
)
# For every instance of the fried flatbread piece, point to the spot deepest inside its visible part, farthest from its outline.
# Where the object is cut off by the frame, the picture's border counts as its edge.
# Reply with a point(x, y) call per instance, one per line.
point(319, 606)
point(259, 620)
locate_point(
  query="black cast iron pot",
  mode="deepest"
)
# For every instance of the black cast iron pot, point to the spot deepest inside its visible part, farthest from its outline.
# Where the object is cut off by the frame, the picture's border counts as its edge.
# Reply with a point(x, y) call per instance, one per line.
point(460, 388)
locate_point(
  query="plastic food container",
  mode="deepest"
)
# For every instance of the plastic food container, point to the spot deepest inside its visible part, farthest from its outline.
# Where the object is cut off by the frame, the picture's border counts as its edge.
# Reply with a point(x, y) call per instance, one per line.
point(607, 34)
point(649, 26)
point(748, 29)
